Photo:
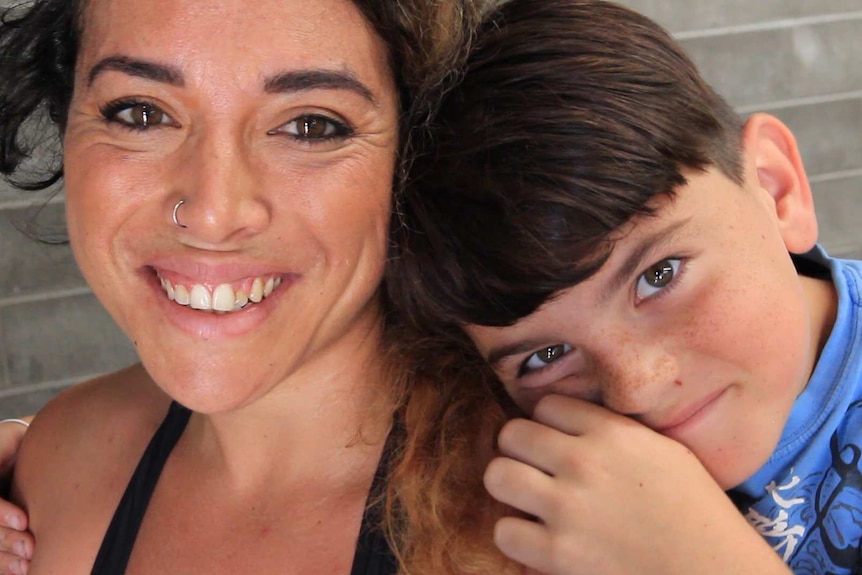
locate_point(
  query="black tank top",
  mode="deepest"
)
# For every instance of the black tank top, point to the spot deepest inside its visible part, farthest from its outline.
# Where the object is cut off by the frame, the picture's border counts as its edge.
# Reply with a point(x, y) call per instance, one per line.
point(373, 555)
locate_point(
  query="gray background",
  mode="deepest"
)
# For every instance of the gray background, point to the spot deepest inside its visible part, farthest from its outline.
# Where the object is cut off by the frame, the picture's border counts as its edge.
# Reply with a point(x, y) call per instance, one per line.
point(798, 59)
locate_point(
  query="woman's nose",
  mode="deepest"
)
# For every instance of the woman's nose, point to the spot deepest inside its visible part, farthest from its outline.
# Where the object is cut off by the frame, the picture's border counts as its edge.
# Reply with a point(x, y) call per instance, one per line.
point(218, 198)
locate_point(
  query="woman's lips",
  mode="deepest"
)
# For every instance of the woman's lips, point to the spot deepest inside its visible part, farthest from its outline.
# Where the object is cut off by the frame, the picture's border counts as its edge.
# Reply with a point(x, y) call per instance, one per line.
point(200, 309)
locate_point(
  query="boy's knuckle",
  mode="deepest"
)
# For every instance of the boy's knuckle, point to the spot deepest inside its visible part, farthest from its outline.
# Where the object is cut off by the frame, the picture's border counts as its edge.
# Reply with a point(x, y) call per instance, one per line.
point(547, 406)
point(512, 432)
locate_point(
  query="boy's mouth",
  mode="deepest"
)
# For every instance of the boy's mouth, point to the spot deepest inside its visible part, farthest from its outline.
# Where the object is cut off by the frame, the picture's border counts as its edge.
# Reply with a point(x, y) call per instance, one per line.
point(222, 298)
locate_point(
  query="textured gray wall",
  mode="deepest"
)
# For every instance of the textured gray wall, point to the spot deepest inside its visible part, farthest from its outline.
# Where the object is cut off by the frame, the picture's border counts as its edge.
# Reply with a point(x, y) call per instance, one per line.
point(798, 59)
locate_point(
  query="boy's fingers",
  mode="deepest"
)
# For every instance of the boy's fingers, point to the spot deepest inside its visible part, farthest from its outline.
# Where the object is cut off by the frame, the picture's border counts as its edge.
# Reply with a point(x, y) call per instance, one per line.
point(534, 443)
point(573, 416)
point(520, 486)
point(545, 447)
point(524, 541)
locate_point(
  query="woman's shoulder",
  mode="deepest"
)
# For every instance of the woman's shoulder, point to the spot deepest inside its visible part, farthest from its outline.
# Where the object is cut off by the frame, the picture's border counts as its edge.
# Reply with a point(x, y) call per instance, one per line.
point(83, 446)
point(119, 406)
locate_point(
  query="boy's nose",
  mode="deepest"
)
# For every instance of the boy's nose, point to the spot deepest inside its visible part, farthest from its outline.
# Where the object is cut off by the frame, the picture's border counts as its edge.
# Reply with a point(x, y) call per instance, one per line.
point(223, 199)
point(634, 376)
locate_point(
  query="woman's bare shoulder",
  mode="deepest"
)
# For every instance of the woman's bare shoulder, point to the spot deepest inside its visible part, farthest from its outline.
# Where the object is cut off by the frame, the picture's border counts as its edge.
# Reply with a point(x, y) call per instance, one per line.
point(86, 442)
point(117, 405)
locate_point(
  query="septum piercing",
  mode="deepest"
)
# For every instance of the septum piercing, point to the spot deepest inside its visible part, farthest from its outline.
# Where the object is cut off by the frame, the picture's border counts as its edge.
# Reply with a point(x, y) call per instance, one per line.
point(174, 215)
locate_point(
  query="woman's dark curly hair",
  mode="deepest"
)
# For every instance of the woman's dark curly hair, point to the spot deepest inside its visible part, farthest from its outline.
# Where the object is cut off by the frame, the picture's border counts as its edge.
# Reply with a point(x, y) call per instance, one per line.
point(38, 47)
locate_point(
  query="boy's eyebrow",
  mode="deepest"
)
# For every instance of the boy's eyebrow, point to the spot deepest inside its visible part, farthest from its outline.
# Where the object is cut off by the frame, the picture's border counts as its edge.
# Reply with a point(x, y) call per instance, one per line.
point(290, 81)
point(634, 262)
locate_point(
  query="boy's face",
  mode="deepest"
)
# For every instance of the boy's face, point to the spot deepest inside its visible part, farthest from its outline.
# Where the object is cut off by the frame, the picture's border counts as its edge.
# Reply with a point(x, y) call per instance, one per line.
point(698, 326)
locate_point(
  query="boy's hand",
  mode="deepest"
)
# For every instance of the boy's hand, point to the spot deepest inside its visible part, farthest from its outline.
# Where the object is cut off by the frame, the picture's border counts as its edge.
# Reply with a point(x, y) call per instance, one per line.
point(611, 496)
point(16, 544)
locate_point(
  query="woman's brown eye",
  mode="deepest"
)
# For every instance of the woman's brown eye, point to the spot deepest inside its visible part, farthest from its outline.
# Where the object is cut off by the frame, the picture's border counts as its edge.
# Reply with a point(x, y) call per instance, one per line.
point(143, 115)
point(136, 115)
point(313, 128)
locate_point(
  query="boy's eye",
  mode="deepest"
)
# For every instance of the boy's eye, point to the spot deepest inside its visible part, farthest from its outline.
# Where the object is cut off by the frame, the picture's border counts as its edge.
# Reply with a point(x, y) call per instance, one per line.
point(544, 357)
point(657, 277)
point(313, 127)
point(137, 115)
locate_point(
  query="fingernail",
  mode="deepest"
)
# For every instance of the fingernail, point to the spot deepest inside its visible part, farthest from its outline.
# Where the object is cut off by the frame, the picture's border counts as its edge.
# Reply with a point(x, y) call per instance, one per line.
point(17, 568)
point(15, 521)
point(21, 549)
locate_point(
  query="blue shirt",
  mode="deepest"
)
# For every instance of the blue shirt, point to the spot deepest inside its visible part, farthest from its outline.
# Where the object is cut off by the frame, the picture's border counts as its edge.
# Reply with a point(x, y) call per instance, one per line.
point(807, 499)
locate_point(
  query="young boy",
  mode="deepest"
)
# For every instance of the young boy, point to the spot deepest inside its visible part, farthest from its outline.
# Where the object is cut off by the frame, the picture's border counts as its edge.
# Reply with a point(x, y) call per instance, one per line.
point(604, 227)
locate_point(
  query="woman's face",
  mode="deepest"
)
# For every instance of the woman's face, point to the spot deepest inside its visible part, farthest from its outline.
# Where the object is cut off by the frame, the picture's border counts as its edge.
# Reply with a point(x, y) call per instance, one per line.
point(275, 122)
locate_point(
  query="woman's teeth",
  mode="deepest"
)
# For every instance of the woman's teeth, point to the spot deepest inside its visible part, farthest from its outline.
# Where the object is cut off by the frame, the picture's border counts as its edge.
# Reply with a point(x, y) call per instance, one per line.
point(224, 298)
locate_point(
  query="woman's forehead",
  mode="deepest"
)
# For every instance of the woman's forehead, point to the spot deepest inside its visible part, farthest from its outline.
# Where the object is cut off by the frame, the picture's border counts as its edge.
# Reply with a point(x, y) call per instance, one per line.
point(260, 38)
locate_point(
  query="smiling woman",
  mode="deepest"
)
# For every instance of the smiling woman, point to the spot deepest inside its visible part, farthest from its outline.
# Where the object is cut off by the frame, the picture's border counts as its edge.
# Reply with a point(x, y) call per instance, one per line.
point(229, 171)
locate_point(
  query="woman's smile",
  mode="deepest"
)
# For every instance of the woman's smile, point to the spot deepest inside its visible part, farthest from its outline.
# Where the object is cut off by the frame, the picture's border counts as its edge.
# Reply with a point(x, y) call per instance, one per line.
point(224, 297)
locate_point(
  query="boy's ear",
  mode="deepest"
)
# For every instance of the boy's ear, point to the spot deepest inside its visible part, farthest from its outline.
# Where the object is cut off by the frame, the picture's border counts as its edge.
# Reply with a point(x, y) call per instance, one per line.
point(773, 163)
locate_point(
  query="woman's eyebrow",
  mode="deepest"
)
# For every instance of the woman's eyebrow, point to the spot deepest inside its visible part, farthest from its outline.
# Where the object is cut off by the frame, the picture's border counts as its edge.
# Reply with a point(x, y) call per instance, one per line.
point(290, 81)
point(299, 80)
point(149, 70)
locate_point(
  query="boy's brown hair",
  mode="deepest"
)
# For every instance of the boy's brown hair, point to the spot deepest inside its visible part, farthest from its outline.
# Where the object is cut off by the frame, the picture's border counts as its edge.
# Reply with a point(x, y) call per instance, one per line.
point(556, 138)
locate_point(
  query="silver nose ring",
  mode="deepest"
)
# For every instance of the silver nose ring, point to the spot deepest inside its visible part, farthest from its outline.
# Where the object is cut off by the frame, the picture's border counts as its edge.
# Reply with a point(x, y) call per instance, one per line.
point(174, 215)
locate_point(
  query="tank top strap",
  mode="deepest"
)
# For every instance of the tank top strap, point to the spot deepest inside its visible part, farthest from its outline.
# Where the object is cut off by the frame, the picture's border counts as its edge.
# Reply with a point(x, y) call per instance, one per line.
point(120, 537)
point(373, 555)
